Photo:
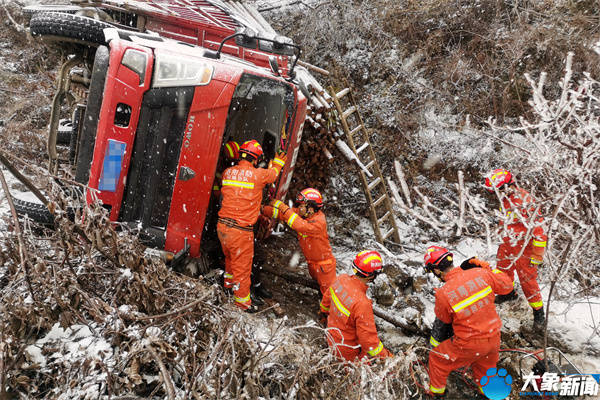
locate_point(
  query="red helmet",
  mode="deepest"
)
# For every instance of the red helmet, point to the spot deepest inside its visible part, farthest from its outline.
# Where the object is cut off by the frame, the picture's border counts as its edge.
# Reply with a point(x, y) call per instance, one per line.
point(311, 197)
point(232, 150)
point(437, 257)
point(367, 264)
point(251, 148)
point(498, 178)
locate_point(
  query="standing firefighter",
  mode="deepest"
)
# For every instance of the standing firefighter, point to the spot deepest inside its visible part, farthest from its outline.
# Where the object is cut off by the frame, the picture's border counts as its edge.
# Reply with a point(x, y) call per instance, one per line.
point(351, 330)
point(464, 309)
point(308, 220)
point(242, 188)
point(524, 241)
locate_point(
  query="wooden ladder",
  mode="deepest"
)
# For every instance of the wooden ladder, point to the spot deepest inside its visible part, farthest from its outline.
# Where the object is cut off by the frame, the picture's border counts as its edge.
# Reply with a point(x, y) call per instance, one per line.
point(376, 192)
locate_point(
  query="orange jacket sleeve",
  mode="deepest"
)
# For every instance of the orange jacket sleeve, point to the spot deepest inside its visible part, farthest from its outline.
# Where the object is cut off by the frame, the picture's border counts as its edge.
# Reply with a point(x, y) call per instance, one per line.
point(538, 245)
point(299, 224)
point(499, 281)
point(366, 331)
point(442, 308)
point(326, 302)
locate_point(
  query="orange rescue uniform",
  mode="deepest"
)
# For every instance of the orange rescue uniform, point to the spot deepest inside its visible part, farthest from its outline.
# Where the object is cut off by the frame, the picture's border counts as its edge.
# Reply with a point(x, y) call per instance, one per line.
point(242, 188)
point(467, 302)
point(526, 265)
point(351, 330)
point(314, 242)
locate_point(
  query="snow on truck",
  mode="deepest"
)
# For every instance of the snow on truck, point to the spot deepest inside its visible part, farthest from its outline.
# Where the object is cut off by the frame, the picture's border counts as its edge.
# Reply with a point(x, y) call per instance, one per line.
point(152, 90)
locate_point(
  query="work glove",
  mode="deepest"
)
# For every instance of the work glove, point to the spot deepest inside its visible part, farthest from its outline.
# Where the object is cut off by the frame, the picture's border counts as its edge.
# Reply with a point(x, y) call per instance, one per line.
point(279, 205)
point(473, 262)
point(280, 159)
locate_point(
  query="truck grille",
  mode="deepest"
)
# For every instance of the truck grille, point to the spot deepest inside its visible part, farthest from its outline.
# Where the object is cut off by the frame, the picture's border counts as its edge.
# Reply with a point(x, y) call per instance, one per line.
point(156, 150)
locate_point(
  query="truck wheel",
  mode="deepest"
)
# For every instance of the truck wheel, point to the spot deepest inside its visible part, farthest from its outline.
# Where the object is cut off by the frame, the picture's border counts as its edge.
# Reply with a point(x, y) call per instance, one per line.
point(37, 8)
point(68, 27)
point(35, 211)
point(63, 133)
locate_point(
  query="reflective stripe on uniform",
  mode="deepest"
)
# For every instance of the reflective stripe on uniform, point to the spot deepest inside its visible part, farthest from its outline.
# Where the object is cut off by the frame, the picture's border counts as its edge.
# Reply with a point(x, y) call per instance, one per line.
point(291, 219)
point(538, 243)
point(241, 299)
point(277, 203)
point(245, 185)
point(323, 308)
point(472, 299)
point(537, 304)
point(275, 212)
point(536, 262)
point(376, 350)
point(279, 162)
point(228, 275)
point(496, 271)
point(433, 342)
point(433, 389)
point(302, 235)
point(338, 303)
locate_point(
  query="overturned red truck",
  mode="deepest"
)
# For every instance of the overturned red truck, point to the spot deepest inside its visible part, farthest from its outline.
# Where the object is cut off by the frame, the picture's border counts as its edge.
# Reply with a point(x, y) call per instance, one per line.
point(153, 90)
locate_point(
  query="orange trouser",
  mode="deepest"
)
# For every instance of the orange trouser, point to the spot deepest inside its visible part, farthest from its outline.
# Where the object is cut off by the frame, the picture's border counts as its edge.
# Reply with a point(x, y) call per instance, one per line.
point(238, 247)
point(480, 354)
point(323, 272)
point(527, 272)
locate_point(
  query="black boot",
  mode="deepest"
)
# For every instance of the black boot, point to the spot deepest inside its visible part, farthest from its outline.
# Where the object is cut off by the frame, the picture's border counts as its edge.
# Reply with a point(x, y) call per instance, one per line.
point(252, 309)
point(539, 319)
point(261, 291)
point(256, 299)
point(501, 298)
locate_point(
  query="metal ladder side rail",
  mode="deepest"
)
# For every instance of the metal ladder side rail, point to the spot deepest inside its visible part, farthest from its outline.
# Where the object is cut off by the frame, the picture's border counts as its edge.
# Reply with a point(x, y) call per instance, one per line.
point(388, 213)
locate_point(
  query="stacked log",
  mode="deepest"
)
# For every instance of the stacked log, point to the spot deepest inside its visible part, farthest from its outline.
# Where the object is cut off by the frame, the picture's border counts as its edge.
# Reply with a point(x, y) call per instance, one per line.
point(318, 145)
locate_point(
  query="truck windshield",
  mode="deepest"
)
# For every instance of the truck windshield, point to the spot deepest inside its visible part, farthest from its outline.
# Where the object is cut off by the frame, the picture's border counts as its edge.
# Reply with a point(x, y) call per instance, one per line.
point(261, 109)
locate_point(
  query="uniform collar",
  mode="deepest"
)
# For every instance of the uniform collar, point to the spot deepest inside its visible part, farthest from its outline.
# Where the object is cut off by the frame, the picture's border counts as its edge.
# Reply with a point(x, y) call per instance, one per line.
point(245, 163)
point(360, 283)
point(452, 274)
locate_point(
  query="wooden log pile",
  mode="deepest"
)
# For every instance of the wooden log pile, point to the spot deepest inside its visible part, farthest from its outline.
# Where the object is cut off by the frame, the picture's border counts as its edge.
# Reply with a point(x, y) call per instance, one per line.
point(318, 144)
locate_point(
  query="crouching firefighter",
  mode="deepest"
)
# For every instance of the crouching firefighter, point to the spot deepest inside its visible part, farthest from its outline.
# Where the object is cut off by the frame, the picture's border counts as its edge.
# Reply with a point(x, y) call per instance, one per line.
point(517, 252)
point(351, 330)
point(308, 220)
point(242, 188)
point(466, 330)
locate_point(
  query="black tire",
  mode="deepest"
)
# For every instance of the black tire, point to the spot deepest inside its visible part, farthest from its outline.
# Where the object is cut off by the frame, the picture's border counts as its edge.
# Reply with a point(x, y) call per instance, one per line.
point(63, 133)
point(35, 211)
point(37, 8)
point(72, 28)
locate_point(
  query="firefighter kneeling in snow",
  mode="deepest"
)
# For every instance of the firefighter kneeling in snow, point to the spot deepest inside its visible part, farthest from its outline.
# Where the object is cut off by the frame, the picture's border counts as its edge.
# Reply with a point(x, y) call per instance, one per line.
point(466, 330)
point(242, 189)
point(309, 221)
point(351, 330)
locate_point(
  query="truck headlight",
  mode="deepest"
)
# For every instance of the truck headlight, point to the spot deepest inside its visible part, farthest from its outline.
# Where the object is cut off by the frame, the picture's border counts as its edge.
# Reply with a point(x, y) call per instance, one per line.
point(174, 70)
point(136, 61)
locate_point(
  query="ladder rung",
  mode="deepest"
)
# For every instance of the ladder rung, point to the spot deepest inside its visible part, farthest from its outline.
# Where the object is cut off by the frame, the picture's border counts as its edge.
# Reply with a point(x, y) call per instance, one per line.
point(362, 147)
point(356, 129)
point(389, 233)
point(342, 93)
point(370, 164)
point(379, 200)
point(374, 183)
point(349, 112)
point(385, 216)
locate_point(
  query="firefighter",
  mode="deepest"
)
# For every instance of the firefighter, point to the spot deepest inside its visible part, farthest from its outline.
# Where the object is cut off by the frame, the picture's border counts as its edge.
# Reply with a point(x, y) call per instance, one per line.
point(466, 330)
point(242, 189)
point(351, 331)
point(521, 250)
point(308, 220)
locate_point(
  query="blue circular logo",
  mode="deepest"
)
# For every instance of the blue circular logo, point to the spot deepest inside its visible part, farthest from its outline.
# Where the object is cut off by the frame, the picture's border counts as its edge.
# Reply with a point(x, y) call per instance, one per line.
point(496, 384)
